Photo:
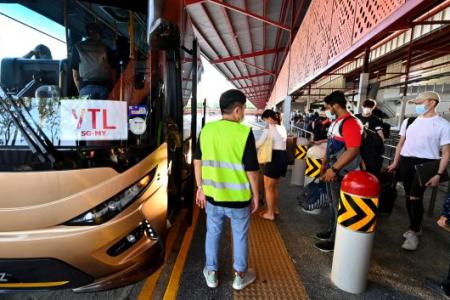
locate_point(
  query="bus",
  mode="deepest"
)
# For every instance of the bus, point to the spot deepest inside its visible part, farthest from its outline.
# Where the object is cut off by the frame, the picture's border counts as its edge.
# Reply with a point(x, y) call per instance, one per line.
point(89, 183)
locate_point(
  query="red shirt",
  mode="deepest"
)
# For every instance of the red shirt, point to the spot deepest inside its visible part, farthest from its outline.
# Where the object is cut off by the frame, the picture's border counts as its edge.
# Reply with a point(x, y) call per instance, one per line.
point(351, 132)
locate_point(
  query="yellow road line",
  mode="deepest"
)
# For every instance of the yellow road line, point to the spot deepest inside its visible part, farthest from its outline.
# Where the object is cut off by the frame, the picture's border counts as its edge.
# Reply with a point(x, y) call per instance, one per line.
point(174, 282)
point(32, 284)
point(150, 284)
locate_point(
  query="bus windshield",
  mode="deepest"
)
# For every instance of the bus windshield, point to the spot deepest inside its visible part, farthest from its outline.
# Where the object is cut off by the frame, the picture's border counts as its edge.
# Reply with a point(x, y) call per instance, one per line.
point(92, 106)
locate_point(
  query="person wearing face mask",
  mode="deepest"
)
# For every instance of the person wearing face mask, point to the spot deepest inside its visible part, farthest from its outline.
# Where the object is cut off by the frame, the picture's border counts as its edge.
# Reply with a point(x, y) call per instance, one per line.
point(277, 167)
point(226, 174)
point(342, 156)
point(420, 142)
point(368, 119)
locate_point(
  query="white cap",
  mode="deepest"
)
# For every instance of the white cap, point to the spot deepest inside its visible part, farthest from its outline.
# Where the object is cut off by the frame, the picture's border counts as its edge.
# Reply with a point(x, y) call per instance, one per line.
point(428, 96)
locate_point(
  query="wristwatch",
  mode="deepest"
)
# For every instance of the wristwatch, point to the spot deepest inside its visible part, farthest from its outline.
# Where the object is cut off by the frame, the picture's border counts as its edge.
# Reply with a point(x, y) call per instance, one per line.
point(334, 170)
point(440, 174)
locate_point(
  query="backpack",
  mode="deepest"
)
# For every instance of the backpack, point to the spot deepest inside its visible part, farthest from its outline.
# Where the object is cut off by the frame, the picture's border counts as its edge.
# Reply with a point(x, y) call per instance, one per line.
point(371, 150)
point(315, 196)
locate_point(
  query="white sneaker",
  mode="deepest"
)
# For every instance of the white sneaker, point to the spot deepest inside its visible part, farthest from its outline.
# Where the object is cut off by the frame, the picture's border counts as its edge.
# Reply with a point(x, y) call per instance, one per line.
point(211, 278)
point(411, 232)
point(411, 242)
point(240, 283)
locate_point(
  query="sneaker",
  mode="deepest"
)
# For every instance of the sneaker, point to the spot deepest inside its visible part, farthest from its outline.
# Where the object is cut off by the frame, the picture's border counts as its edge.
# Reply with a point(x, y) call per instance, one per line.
point(323, 236)
point(411, 242)
point(312, 212)
point(211, 278)
point(411, 232)
point(326, 246)
point(240, 283)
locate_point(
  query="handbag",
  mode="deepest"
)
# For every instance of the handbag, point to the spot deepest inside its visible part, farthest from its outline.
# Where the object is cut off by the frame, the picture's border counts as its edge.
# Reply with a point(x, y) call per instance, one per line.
point(265, 151)
point(427, 170)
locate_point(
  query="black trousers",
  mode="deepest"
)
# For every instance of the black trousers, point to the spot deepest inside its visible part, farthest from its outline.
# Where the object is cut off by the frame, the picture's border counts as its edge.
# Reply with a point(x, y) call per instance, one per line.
point(413, 188)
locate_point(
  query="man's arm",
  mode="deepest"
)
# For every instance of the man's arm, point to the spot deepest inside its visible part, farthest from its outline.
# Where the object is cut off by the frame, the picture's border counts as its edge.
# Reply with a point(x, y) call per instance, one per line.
point(398, 149)
point(200, 199)
point(76, 79)
point(434, 181)
point(381, 134)
point(253, 177)
point(343, 160)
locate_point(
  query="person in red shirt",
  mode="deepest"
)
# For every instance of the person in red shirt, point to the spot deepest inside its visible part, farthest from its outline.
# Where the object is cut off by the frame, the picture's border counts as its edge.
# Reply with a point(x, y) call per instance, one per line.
point(342, 156)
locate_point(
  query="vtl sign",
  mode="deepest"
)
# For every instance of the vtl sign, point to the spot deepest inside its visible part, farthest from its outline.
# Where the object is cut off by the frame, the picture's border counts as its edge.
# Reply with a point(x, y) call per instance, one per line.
point(94, 120)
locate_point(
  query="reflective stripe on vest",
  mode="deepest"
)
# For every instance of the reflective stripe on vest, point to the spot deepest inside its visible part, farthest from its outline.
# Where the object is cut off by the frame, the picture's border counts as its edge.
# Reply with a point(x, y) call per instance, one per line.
point(222, 145)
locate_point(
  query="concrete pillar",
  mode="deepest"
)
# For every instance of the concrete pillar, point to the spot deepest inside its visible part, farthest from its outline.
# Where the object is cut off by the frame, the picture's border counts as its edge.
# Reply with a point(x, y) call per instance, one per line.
point(362, 91)
point(287, 112)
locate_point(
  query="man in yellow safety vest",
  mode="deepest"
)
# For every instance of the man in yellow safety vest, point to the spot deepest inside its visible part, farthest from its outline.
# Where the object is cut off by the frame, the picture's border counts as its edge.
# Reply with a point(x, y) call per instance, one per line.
point(226, 174)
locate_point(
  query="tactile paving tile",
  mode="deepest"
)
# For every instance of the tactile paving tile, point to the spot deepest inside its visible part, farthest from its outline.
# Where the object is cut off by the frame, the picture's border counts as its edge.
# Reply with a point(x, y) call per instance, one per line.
point(276, 276)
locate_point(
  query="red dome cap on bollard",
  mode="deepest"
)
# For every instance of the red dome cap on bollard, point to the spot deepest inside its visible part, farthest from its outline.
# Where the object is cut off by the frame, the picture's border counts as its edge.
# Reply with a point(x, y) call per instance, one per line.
point(361, 183)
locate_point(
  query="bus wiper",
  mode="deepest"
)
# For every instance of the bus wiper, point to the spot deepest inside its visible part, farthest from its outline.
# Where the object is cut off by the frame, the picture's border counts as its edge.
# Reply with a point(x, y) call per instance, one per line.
point(42, 148)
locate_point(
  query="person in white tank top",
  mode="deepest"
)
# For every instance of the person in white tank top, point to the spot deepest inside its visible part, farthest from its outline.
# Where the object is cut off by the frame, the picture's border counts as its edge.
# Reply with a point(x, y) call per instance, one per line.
point(278, 166)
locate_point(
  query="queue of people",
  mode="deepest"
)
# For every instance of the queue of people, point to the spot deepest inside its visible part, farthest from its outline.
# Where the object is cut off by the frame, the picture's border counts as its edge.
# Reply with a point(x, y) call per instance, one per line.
point(424, 140)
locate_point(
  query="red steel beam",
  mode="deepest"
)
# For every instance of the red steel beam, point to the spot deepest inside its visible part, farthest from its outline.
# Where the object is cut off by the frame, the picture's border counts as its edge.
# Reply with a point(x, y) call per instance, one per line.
point(242, 11)
point(247, 55)
point(258, 85)
point(248, 76)
point(257, 67)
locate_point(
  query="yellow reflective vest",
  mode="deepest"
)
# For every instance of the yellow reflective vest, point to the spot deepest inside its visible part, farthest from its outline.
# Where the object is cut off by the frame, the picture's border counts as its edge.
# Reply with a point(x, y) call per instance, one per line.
point(222, 144)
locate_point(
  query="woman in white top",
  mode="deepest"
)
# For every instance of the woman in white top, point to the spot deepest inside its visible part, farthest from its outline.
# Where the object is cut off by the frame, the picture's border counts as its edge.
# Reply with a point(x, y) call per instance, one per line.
point(278, 165)
point(420, 142)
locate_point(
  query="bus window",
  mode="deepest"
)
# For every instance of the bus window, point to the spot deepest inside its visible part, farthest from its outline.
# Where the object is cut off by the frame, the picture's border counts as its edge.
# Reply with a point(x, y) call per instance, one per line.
point(92, 106)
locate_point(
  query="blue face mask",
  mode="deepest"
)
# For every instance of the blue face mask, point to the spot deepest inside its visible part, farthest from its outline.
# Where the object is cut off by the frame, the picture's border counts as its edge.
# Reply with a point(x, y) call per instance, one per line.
point(329, 115)
point(420, 109)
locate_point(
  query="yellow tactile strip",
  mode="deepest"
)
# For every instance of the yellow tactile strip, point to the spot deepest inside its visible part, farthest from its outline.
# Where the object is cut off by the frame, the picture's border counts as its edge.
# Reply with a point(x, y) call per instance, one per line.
point(276, 277)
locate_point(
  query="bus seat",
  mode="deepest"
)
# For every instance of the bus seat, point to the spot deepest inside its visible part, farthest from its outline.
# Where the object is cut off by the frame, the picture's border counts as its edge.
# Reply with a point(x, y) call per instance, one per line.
point(16, 73)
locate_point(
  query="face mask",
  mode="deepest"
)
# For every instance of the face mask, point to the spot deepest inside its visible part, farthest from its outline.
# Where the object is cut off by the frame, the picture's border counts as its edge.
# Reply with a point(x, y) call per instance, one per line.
point(366, 110)
point(420, 109)
point(329, 115)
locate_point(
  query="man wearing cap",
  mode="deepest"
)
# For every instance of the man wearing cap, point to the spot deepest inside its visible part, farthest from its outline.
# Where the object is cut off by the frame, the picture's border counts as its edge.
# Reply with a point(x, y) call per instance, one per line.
point(93, 65)
point(421, 140)
point(226, 174)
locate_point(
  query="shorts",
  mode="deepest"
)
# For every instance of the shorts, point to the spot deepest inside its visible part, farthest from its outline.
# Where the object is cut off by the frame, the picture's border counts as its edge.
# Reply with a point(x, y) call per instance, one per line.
point(409, 177)
point(278, 166)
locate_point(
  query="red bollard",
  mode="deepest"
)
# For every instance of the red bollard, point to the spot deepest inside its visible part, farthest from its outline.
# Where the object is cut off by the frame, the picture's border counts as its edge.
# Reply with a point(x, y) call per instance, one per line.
point(356, 222)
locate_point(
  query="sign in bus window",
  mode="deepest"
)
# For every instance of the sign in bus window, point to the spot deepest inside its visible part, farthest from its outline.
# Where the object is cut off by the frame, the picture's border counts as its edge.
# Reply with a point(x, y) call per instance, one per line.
point(99, 120)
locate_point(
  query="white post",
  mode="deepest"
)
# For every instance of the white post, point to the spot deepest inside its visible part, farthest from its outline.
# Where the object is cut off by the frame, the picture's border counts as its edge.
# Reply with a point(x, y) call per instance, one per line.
point(362, 91)
point(287, 112)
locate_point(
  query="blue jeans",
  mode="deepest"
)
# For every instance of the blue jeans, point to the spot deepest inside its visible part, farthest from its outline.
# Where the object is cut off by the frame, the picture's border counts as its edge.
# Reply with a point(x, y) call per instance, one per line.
point(333, 191)
point(98, 92)
point(240, 223)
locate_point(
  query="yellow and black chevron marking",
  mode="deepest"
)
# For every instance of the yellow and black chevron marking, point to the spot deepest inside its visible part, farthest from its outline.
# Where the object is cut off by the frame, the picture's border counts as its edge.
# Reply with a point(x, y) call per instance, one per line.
point(300, 152)
point(313, 167)
point(356, 213)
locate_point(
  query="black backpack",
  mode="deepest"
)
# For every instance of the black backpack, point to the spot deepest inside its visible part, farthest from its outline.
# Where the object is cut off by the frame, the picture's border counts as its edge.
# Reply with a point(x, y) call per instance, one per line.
point(371, 150)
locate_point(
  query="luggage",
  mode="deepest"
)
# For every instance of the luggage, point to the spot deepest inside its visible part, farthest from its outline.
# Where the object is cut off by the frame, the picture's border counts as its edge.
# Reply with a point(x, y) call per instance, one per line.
point(315, 196)
point(388, 192)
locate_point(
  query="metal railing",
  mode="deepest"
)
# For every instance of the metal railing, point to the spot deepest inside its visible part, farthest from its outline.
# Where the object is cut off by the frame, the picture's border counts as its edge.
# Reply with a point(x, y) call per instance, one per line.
point(301, 132)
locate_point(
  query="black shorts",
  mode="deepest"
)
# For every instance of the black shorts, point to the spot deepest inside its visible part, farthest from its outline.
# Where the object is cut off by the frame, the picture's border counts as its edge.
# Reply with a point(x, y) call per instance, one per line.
point(278, 166)
point(409, 176)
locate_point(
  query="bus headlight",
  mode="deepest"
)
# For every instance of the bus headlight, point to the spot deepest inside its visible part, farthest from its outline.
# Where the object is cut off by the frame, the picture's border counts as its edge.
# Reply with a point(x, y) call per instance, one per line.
point(113, 206)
